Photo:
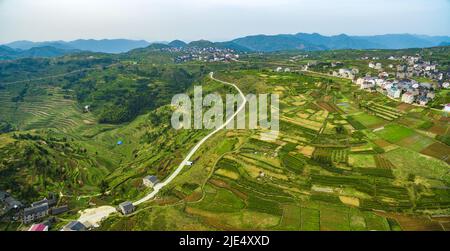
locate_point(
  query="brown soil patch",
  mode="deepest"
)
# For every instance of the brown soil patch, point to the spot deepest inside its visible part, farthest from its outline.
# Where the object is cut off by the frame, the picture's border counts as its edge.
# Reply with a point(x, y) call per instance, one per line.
point(223, 184)
point(437, 129)
point(351, 201)
point(414, 223)
point(404, 107)
point(439, 151)
point(195, 196)
point(381, 143)
point(328, 107)
point(445, 119)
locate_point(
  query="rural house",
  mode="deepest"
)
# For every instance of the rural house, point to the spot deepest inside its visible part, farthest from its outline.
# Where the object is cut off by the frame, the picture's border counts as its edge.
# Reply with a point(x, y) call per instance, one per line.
point(408, 97)
point(50, 202)
point(74, 226)
point(34, 213)
point(38, 228)
point(126, 207)
point(12, 203)
point(150, 181)
point(59, 210)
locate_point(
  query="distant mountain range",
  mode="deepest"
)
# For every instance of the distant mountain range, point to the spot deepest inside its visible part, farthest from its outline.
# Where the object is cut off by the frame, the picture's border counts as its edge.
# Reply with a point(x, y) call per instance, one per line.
point(8, 53)
point(104, 45)
point(24, 49)
point(263, 43)
point(315, 41)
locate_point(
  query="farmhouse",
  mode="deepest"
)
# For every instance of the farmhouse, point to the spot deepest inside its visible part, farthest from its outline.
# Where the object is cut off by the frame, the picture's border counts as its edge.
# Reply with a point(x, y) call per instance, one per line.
point(408, 97)
point(38, 228)
point(394, 92)
point(34, 213)
point(346, 73)
point(423, 100)
point(59, 210)
point(150, 181)
point(383, 74)
point(126, 207)
point(50, 202)
point(74, 226)
point(12, 203)
point(366, 83)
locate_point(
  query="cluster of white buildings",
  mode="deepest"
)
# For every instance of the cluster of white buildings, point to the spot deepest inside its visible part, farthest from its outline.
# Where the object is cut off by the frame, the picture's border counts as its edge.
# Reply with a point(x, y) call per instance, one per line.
point(411, 66)
point(408, 91)
point(346, 73)
point(209, 54)
point(376, 66)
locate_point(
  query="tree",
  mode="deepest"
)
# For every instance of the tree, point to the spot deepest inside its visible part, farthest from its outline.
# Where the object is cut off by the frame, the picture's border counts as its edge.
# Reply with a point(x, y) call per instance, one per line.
point(103, 186)
point(358, 135)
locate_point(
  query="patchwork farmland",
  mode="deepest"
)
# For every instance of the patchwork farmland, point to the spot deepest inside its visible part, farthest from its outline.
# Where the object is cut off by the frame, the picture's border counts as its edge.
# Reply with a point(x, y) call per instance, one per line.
point(331, 168)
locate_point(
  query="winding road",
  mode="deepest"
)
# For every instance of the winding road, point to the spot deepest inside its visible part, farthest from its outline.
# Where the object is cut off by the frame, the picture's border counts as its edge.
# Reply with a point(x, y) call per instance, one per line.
point(92, 217)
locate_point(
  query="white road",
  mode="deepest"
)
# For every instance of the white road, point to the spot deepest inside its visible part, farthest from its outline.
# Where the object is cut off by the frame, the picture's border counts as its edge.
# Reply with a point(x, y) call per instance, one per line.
point(159, 186)
point(94, 216)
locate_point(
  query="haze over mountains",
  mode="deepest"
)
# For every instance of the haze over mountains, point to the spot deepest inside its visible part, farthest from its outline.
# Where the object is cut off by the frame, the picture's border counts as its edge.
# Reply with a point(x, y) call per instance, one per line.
point(263, 43)
point(315, 41)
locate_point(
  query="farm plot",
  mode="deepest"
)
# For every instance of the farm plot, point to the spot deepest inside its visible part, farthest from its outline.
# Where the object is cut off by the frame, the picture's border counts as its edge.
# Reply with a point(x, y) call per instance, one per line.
point(293, 163)
point(361, 160)
point(58, 111)
point(383, 143)
point(439, 151)
point(384, 112)
point(323, 155)
point(310, 219)
point(413, 223)
point(330, 107)
point(291, 219)
point(264, 206)
point(334, 218)
point(416, 142)
point(220, 200)
point(309, 124)
point(394, 133)
point(382, 162)
point(364, 119)
point(438, 129)
point(339, 156)
point(410, 162)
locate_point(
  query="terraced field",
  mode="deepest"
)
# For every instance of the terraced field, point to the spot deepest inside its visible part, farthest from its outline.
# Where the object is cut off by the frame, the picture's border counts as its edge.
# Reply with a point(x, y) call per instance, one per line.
point(328, 170)
point(44, 107)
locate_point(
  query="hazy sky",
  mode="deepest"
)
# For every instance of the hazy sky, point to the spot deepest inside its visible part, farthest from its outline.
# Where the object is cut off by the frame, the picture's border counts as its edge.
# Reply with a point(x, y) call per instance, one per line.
point(164, 20)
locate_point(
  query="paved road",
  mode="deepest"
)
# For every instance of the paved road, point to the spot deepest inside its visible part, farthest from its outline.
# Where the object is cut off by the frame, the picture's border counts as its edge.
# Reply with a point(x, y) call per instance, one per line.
point(196, 147)
point(93, 216)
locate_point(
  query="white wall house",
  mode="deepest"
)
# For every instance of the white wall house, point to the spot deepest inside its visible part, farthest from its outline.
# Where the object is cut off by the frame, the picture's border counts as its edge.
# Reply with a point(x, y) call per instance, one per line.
point(408, 98)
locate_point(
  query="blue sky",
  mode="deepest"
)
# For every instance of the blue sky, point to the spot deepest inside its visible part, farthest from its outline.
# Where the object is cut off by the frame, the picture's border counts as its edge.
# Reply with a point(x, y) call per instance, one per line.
point(164, 20)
